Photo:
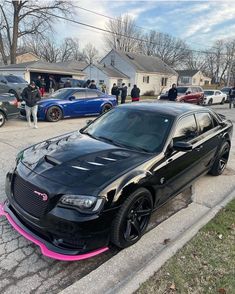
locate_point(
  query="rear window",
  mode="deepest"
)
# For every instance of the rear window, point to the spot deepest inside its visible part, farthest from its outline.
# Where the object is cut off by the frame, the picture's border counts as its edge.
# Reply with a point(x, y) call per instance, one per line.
point(209, 92)
point(15, 79)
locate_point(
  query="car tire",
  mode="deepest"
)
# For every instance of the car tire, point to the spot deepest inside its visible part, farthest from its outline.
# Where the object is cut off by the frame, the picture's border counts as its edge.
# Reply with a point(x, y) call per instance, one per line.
point(2, 119)
point(210, 102)
point(54, 114)
point(222, 101)
point(132, 219)
point(106, 108)
point(221, 161)
point(15, 94)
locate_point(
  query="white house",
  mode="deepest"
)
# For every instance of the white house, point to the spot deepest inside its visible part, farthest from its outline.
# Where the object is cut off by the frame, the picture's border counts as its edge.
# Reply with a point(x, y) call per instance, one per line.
point(192, 77)
point(107, 75)
point(147, 72)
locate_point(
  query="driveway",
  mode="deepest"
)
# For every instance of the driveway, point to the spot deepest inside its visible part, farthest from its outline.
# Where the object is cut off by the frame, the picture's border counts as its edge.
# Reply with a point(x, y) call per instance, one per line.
point(22, 267)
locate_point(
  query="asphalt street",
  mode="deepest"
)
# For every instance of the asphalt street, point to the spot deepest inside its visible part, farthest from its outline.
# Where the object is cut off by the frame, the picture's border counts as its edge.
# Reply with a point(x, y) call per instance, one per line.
point(22, 267)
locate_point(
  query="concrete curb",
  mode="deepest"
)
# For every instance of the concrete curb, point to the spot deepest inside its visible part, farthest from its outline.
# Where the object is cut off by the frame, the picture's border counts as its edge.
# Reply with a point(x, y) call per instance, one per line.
point(142, 269)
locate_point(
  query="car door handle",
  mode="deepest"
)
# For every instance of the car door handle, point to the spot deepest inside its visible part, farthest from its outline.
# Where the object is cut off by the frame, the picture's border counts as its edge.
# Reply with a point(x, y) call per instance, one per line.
point(199, 148)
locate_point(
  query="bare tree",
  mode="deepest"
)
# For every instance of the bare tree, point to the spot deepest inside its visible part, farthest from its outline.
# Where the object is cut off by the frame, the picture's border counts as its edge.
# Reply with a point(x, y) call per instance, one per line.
point(171, 50)
point(22, 18)
point(90, 53)
point(124, 34)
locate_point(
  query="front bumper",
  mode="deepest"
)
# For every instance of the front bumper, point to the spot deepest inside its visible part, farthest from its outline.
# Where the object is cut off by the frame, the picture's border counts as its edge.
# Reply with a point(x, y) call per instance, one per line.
point(61, 231)
point(47, 248)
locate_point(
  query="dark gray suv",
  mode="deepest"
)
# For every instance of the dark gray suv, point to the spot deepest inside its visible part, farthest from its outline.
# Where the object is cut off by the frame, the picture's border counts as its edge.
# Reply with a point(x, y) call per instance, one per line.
point(12, 84)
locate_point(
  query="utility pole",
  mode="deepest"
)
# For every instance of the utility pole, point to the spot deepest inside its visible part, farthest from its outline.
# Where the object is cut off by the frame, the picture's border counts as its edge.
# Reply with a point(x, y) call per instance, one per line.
point(229, 72)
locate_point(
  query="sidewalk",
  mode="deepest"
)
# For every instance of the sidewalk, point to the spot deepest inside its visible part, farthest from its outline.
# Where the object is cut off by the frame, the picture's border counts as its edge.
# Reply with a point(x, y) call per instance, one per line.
point(124, 272)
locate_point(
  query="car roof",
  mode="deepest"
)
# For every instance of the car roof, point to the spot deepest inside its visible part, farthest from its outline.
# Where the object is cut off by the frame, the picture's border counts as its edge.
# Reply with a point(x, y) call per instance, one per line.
point(169, 108)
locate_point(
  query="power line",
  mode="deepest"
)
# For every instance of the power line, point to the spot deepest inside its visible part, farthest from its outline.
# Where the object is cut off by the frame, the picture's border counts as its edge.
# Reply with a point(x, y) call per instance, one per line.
point(115, 19)
point(122, 35)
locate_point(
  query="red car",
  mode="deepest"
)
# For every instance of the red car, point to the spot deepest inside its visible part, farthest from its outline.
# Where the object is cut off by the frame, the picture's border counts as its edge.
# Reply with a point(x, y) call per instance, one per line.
point(191, 94)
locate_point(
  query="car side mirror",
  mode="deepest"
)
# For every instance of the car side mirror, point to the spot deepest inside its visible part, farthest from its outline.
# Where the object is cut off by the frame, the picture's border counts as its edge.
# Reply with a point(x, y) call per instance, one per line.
point(2, 81)
point(182, 146)
point(188, 92)
point(71, 98)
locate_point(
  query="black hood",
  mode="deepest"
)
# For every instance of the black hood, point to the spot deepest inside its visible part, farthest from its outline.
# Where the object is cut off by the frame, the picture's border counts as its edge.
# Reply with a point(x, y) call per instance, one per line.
point(81, 162)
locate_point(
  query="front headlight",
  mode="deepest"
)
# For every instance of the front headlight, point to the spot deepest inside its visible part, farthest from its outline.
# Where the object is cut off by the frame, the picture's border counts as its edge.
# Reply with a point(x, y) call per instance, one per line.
point(87, 204)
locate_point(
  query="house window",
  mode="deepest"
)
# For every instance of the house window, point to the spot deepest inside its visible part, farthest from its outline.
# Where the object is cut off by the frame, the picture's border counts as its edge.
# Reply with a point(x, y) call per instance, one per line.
point(129, 84)
point(185, 80)
point(146, 79)
point(112, 60)
point(194, 81)
point(164, 82)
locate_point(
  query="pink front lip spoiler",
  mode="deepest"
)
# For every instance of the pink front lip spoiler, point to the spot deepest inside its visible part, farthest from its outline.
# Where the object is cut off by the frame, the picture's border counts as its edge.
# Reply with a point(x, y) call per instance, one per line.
point(45, 251)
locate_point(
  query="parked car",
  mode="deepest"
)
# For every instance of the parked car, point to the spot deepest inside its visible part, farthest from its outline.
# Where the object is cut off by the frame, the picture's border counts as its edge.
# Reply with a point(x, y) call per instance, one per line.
point(82, 191)
point(12, 84)
point(8, 107)
point(214, 97)
point(190, 94)
point(73, 102)
point(73, 82)
point(225, 90)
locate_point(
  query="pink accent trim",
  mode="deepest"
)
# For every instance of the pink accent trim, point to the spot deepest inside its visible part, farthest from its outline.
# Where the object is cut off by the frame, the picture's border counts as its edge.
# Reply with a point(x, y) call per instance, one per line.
point(45, 251)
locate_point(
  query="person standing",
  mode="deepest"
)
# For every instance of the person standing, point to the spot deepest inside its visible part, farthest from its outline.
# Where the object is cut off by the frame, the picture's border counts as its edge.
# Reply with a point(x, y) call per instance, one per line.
point(31, 96)
point(135, 94)
point(42, 92)
point(103, 88)
point(115, 91)
point(67, 84)
point(231, 94)
point(51, 85)
point(86, 84)
point(173, 93)
point(123, 93)
point(92, 85)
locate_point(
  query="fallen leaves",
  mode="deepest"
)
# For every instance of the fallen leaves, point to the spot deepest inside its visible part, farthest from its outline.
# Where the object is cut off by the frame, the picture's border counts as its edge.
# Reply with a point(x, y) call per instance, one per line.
point(166, 241)
point(222, 291)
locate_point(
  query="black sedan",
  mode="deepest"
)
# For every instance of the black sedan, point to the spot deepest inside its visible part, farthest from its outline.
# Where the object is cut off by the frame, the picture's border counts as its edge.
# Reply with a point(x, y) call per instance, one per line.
point(76, 194)
point(8, 107)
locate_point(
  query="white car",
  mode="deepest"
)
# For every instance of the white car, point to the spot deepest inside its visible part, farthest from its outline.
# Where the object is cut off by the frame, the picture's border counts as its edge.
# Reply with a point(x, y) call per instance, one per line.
point(214, 97)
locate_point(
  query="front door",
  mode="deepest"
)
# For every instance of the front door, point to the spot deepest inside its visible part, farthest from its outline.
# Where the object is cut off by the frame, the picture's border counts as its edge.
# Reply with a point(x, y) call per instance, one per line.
point(76, 103)
point(178, 168)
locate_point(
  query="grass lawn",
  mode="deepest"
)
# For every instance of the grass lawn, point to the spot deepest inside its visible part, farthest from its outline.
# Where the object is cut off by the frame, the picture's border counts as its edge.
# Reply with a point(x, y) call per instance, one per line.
point(204, 265)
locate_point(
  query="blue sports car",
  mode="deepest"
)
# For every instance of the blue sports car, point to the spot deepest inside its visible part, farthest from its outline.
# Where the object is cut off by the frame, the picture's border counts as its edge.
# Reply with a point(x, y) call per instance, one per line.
point(73, 102)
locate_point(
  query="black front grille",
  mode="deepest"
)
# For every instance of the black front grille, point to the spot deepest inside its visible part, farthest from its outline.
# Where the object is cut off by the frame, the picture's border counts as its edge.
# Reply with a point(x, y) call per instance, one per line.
point(31, 198)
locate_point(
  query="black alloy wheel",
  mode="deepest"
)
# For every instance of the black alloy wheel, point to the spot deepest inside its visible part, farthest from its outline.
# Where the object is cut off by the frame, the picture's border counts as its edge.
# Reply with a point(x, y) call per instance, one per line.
point(132, 218)
point(106, 108)
point(2, 119)
point(221, 162)
point(210, 102)
point(54, 114)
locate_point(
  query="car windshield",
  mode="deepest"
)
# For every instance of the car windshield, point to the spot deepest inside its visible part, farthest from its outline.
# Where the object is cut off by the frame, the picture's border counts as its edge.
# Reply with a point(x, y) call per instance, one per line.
point(61, 93)
point(15, 79)
point(181, 90)
point(209, 92)
point(131, 128)
point(225, 90)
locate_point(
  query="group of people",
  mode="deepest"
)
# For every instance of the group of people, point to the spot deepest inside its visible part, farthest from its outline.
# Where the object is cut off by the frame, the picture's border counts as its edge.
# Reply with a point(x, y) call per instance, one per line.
point(116, 91)
point(43, 85)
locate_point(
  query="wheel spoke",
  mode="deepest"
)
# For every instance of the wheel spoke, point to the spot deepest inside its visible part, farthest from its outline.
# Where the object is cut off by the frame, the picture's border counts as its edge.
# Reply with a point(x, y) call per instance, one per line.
point(128, 230)
point(143, 212)
point(136, 225)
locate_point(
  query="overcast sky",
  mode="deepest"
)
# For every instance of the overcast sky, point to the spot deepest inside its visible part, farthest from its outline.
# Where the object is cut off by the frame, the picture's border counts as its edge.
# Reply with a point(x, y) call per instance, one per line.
point(199, 23)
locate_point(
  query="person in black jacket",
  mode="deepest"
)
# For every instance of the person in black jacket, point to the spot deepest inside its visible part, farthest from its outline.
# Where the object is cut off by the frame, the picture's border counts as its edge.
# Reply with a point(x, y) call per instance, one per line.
point(172, 94)
point(92, 85)
point(123, 93)
point(31, 96)
point(231, 95)
point(115, 91)
point(67, 84)
point(135, 94)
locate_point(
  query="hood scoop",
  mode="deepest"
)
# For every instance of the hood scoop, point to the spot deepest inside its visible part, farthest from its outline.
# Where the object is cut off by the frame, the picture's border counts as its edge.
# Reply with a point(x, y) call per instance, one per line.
point(100, 161)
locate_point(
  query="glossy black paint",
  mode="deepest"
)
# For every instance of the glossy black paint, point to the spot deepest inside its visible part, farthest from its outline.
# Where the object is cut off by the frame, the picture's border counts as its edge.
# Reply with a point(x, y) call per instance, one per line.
point(8, 105)
point(77, 164)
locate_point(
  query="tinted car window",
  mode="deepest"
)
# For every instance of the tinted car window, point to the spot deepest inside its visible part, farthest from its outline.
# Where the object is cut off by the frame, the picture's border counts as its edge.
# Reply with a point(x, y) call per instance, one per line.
point(194, 90)
point(186, 129)
point(79, 95)
point(14, 79)
point(182, 90)
point(91, 94)
point(209, 92)
point(204, 121)
point(132, 128)
point(61, 93)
